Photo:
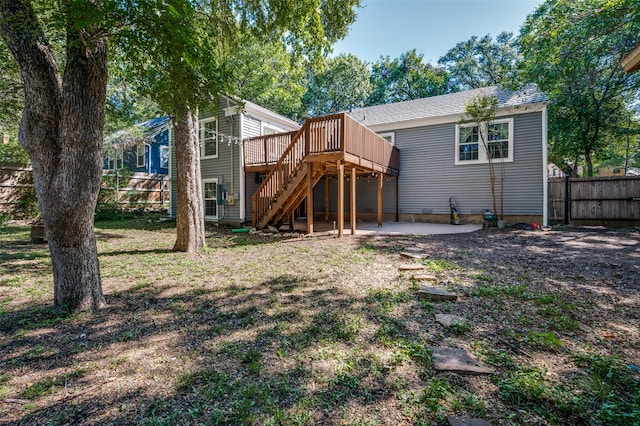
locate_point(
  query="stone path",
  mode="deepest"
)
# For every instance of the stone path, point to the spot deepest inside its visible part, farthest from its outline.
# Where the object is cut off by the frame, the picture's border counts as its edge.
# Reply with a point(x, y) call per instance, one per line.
point(457, 360)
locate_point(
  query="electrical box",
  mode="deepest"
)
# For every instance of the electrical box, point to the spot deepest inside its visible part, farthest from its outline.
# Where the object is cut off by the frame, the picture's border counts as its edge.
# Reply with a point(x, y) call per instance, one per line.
point(231, 199)
point(223, 195)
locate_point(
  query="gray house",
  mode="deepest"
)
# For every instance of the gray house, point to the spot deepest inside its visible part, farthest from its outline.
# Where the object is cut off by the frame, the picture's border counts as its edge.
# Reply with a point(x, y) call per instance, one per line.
point(399, 162)
point(440, 158)
point(227, 193)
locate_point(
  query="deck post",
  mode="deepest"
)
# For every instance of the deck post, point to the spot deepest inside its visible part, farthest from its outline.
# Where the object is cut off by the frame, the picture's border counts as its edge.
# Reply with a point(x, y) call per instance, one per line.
point(309, 198)
point(352, 201)
point(340, 198)
point(326, 198)
point(397, 199)
point(266, 157)
point(380, 177)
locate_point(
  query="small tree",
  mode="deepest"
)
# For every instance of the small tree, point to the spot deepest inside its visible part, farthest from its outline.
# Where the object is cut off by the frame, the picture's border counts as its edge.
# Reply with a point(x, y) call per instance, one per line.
point(481, 111)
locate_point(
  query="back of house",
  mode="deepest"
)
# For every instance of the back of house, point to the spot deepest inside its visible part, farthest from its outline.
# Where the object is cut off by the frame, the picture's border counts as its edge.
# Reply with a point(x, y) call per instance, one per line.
point(441, 155)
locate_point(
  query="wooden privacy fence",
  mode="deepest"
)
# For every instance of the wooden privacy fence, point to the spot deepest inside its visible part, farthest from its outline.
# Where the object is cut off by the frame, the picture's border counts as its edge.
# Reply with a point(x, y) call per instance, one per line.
point(605, 201)
point(131, 190)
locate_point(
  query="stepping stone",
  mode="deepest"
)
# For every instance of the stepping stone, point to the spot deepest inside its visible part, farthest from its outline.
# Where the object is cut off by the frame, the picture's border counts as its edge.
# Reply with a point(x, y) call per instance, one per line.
point(425, 278)
point(410, 255)
point(457, 360)
point(435, 294)
point(405, 242)
point(413, 249)
point(411, 267)
point(466, 421)
point(450, 320)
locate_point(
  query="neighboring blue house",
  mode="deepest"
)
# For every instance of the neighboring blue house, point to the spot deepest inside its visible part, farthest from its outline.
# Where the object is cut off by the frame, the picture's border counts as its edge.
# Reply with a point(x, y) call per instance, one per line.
point(147, 153)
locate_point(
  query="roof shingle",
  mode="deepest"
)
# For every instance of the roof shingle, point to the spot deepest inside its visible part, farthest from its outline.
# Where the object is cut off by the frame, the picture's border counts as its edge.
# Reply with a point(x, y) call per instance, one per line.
point(437, 106)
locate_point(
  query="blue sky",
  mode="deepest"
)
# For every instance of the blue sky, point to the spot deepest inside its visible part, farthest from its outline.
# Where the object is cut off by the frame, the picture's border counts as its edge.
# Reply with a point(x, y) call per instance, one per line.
point(390, 27)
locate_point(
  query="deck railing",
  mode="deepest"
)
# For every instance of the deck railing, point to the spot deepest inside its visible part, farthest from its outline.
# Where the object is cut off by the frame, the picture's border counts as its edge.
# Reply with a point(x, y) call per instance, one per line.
point(266, 150)
point(338, 133)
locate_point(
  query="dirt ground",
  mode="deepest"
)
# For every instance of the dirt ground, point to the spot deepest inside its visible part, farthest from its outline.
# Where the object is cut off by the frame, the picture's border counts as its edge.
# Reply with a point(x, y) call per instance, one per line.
point(298, 330)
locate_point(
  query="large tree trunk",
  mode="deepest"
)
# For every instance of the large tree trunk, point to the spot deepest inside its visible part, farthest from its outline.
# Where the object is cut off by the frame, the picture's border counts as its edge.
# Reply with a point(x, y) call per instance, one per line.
point(61, 129)
point(189, 211)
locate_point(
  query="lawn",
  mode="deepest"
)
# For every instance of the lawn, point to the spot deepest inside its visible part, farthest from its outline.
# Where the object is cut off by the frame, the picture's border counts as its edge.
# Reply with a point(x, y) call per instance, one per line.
point(296, 331)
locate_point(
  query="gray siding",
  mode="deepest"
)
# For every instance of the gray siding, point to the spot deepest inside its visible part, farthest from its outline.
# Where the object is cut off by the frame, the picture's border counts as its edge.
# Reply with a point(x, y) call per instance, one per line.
point(226, 167)
point(428, 175)
point(366, 195)
point(251, 127)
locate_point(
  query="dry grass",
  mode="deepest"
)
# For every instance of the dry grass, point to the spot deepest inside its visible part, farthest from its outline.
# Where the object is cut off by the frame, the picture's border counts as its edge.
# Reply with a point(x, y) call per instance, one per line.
point(255, 330)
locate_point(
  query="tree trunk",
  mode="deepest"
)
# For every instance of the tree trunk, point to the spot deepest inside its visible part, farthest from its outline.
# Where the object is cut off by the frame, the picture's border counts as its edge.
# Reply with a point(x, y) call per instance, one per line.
point(61, 129)
point(190, 209)
point(587, 160)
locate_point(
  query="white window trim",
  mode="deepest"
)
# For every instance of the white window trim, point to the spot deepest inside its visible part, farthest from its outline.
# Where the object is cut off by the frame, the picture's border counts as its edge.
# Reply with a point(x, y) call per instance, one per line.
point(482, 153)
point(201, 137)
point(392, 135)
point(205, 181)
point(164, 148)
point(270, 127)
point(144, 155)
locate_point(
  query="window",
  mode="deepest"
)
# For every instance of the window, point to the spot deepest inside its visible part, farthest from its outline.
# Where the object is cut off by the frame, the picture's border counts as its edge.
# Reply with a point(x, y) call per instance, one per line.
point(468, 143)
point(499, 142)
point(140, 155)
point(164, 157)
point(209, 138)
point(114, 160)
point(210, 190)
point(269, 130)
point(389, 137)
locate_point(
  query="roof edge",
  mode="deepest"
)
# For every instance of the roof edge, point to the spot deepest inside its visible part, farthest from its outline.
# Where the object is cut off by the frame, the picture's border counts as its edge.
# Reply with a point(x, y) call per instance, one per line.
point(455, 118)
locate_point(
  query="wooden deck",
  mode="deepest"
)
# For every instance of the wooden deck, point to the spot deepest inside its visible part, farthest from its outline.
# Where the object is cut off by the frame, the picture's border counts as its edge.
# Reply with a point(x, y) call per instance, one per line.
point(295, 161)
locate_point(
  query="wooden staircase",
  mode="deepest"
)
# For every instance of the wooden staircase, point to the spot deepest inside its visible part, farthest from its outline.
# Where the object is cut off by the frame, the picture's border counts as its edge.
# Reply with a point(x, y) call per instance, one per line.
point(320, 140)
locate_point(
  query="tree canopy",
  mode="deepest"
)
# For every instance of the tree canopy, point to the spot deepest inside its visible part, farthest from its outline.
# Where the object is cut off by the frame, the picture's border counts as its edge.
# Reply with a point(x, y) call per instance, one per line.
point(481, 61)
point(405, 78)
point(572, 50)
point(344, 82)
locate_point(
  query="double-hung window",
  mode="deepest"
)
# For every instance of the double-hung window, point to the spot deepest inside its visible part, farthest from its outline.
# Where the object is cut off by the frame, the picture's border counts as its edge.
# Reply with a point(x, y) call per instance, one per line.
point(468, 143)
point(210, 192)
point(114, 159)
point(164, 157)
point(209, 138)
point(498, 140)
point(475, 144)
point(140, 155)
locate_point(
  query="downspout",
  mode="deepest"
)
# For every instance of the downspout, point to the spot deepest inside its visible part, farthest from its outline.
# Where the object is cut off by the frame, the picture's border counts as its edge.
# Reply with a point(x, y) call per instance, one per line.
point(243, 206)
point(545, 171)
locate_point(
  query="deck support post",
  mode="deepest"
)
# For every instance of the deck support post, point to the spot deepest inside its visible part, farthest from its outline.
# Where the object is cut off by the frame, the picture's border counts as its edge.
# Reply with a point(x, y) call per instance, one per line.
point(326, 198)
point(340, 198)
point(397, 199)
point(352, 201)
point(380, 178)
point(309, 198)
